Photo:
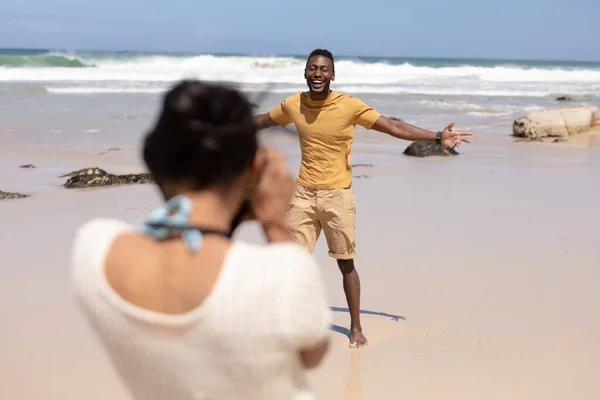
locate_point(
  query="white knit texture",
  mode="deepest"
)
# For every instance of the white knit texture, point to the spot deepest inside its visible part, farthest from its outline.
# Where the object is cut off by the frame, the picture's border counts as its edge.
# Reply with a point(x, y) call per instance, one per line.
point(242, 342)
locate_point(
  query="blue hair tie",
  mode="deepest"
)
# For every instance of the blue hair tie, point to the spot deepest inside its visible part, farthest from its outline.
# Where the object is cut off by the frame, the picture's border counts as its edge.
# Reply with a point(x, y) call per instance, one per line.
point(176, 223)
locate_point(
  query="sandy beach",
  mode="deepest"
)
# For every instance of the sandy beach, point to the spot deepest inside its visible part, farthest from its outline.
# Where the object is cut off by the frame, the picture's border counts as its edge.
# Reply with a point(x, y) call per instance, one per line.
point(479, 272)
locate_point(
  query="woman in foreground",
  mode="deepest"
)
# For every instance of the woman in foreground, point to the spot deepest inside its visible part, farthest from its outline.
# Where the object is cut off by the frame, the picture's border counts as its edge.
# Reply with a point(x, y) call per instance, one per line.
point(190, 313)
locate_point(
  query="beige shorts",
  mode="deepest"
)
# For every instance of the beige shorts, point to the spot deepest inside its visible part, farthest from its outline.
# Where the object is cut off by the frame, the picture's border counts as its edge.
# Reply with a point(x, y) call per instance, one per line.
point(333, 211)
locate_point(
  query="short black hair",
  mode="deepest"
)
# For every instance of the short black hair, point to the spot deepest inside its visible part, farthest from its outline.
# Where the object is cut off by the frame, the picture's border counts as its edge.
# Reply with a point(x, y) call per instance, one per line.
point(322, 52)
point(205, 136)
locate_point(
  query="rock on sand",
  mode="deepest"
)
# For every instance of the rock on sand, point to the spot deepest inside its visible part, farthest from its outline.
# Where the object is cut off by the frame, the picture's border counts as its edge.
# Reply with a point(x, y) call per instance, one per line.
point(429, 149)
point(561, 122)
point(94, 177)
point(10, 195)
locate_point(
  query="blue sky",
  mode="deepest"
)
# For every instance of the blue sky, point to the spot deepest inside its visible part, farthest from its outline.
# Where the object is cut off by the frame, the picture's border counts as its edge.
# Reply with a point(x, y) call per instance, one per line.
point(525, 29)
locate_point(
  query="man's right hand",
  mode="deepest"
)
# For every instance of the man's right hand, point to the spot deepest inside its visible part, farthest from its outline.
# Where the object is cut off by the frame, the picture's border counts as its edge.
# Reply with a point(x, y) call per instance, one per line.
point(272, 195)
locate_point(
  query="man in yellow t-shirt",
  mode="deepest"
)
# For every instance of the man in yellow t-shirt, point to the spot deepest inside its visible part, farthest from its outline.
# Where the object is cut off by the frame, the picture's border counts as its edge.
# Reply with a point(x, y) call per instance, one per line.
point(323, 199)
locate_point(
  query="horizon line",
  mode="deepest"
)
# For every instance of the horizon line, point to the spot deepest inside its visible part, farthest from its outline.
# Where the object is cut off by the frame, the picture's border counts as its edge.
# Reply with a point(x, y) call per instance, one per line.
point(271, 54)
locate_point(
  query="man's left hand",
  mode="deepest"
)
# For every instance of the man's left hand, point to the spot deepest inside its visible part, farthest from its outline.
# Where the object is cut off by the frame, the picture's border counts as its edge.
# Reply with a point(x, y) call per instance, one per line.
point(452, 138)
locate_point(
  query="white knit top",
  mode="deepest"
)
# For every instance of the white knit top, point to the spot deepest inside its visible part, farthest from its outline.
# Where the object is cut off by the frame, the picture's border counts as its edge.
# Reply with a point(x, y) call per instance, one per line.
point(242, 342)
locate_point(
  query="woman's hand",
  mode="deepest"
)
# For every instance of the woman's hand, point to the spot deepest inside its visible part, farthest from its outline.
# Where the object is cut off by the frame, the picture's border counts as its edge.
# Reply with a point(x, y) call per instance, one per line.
point(271, 198)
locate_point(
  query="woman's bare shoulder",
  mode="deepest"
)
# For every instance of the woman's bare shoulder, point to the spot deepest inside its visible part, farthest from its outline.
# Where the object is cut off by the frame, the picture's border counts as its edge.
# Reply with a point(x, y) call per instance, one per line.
point(97, 231)
point(94, 238)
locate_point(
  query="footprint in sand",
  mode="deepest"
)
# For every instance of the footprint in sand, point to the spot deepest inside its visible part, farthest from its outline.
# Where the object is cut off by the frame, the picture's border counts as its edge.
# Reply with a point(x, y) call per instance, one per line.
point(416, 340)
point(421, 341)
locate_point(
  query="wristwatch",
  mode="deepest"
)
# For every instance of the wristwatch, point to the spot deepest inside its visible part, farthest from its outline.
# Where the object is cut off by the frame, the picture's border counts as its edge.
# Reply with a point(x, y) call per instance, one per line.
point(438, 137)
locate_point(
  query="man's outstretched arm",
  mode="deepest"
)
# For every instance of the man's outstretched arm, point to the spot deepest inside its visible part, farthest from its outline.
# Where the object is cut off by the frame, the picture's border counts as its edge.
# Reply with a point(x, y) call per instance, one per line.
point(402, 130)
point(264, 121)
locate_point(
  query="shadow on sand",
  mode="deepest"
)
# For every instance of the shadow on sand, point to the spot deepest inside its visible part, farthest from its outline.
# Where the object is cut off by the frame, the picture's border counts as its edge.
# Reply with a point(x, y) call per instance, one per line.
point(346, 331)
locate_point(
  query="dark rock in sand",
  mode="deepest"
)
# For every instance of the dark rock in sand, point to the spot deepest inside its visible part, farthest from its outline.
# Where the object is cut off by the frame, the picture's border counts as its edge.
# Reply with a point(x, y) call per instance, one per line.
point(560, 140)
point(10, 196)
point(94, 177)
point(564, 98)
point(27, 166)
point(429, 149)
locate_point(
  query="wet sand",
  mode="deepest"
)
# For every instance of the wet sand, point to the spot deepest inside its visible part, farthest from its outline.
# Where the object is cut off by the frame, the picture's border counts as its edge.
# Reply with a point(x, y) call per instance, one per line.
point(479, 272)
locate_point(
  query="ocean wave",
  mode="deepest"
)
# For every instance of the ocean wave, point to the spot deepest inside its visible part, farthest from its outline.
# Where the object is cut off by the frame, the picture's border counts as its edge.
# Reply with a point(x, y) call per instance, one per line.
point(246, 69)
point(454, 90)
point(41, 61)
point(24, 89)
point(449, 105)
point(365, 89)
point(450, 90)
point(485, 114)
point(464, 106)
point(83, 73)
point(104, 90)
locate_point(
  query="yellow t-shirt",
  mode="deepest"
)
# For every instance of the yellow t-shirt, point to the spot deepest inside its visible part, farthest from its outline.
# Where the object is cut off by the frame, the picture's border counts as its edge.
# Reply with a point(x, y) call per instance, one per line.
point(326, 130)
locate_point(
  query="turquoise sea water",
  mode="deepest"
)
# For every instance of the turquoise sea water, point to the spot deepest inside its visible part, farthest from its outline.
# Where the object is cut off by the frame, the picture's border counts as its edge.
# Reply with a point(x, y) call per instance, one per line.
point(84, 72)
point(65, 58)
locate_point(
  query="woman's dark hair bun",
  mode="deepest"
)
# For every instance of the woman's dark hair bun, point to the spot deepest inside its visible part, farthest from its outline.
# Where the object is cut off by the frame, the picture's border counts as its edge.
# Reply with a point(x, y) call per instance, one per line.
point(205, 135)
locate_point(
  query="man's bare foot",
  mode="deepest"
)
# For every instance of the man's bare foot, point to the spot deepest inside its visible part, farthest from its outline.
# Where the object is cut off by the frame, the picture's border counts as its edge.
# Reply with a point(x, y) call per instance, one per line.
point(357, 339)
